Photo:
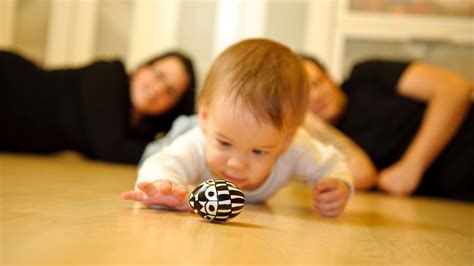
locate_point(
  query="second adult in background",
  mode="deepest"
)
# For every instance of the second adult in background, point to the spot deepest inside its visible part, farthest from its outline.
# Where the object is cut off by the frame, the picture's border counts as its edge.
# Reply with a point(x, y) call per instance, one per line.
point(411, 118)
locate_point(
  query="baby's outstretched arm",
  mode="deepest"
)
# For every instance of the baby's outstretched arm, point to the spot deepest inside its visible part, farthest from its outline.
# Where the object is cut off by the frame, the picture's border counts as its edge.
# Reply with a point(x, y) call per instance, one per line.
point(330, 196)
point(160, 193)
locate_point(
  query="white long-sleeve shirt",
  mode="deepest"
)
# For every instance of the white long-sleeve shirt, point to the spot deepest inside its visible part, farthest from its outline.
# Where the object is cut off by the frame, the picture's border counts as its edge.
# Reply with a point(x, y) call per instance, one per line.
point(183, 162)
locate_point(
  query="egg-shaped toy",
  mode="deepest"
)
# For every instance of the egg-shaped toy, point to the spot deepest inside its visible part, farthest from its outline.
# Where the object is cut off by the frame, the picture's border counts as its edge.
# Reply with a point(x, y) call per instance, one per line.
point(217, 200)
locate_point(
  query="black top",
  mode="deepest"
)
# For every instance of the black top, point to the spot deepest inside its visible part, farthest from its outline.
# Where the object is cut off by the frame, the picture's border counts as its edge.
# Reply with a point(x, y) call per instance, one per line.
point(384, 123)
point(85, 109)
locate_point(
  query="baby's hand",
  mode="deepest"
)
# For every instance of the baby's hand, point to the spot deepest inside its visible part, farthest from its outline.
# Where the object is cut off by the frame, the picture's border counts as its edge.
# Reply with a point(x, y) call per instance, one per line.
point(160, 193)
point(330, 197)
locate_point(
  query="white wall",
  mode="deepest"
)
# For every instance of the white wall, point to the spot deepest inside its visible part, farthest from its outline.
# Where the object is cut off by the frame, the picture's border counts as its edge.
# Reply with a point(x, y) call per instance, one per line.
point(24, 25)
point(74, 32)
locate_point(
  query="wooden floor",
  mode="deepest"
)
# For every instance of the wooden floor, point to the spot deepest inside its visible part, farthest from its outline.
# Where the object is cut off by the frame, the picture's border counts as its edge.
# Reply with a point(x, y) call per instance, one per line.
point(66, 210)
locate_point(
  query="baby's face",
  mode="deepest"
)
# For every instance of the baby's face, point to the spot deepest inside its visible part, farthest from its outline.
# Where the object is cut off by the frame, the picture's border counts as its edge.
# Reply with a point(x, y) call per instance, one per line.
point(238, 148)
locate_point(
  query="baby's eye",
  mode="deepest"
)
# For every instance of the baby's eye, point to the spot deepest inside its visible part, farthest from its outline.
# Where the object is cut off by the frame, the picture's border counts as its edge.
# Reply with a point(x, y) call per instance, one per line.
point(223, 143)
point(259, 152)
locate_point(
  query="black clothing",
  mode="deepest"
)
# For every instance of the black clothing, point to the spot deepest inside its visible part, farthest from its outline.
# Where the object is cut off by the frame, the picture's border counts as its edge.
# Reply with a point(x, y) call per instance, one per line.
point(384, 123)
point(85, 109)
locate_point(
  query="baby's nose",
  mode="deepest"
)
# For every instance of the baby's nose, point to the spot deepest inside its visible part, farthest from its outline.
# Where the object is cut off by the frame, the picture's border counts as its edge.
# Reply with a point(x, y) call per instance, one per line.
point(237, 162)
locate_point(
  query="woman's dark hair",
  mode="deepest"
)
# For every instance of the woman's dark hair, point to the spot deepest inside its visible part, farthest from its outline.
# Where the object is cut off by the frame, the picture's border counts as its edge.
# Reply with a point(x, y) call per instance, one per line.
point(185, 60)
point(151, 125)
point(315, 61)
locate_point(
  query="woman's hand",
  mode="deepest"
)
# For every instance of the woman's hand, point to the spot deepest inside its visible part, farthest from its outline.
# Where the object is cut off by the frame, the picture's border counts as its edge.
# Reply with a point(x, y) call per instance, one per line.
point(401, 178)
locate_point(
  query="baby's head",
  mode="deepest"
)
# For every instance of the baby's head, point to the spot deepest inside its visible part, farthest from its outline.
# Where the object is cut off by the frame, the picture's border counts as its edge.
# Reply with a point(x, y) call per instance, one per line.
point(253, 100)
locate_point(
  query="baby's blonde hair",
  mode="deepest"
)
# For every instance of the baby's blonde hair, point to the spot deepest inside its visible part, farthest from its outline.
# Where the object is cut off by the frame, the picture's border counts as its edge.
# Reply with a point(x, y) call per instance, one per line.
point(265, 77)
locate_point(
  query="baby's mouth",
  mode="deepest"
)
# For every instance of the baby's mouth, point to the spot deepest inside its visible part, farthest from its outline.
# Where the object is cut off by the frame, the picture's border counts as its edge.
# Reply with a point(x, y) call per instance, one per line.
point(237, 180)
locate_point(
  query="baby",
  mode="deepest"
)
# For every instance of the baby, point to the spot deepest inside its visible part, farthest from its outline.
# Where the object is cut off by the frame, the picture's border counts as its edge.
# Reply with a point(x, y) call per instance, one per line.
point(251, 106)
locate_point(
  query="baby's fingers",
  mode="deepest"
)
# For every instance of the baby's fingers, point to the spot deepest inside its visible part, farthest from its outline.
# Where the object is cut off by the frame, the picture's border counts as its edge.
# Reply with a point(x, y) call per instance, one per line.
point(165, 186)
point(179, 198)
point(330, 209)
point(160, 193)
point(133, 195)
point(181, 191)
point(326, 185)
point(327, 197)
point(148, 188)
point(330, 206)
point(181, 194)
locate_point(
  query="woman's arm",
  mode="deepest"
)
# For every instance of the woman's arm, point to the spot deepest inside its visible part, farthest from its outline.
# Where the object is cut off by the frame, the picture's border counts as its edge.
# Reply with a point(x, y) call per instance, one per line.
point(359, 163)
point(448, 98)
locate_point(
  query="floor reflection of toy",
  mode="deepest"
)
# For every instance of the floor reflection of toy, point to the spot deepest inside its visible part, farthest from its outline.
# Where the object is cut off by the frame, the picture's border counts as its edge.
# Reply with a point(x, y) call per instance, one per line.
point(217, 200)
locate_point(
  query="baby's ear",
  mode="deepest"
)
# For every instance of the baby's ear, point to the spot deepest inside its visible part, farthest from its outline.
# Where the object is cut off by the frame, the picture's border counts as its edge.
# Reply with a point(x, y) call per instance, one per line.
point(203, 115)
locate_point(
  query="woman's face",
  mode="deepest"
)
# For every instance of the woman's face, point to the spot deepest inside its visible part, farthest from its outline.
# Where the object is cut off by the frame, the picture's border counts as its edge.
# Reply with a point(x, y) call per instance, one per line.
point(156, 88)
point(326, 99)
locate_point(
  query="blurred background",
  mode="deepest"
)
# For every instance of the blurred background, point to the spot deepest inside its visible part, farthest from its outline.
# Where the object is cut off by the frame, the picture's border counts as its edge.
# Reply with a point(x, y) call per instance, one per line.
point(57, 33)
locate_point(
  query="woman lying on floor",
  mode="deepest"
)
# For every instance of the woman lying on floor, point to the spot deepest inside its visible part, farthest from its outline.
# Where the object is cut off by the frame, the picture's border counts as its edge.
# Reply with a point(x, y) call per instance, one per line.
point(97, 110)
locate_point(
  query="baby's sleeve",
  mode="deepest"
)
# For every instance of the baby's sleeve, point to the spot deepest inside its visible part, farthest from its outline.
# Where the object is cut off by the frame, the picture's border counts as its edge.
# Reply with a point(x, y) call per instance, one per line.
point(316, 161)
point(177, 162)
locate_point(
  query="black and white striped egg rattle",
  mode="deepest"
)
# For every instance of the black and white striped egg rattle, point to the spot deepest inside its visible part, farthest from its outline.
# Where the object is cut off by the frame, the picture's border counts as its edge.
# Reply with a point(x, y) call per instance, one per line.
point(217, 200)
